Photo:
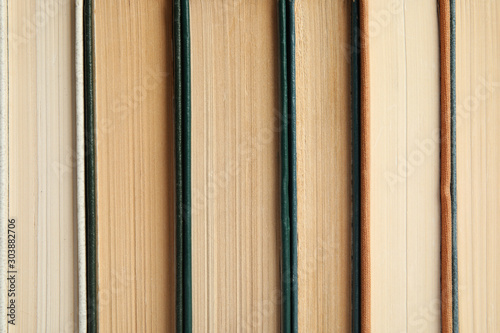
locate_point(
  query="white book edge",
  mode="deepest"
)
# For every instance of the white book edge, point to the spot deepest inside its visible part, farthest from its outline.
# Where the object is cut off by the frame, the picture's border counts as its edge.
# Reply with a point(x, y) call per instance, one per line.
point(80, 168)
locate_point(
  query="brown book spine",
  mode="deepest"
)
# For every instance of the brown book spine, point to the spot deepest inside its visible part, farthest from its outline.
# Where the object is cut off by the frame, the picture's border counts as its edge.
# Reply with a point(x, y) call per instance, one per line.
point(445, 168)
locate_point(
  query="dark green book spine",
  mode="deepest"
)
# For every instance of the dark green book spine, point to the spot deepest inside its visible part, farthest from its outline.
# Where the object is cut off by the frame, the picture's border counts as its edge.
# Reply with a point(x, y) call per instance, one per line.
point(286, 14)
point(90, 171)
point(356, 170)
point(182, 77)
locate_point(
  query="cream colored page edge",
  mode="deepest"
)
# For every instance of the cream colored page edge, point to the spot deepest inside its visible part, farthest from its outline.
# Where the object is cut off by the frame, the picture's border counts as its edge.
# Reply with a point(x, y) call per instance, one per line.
point(405, 211)
point(4, 165)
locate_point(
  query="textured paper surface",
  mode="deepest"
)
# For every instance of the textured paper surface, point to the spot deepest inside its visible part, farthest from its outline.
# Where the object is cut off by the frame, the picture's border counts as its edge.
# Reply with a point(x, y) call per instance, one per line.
point(42, 165)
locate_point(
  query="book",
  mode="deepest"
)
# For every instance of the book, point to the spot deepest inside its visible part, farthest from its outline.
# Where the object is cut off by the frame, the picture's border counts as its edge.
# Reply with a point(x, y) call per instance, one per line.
point(41, 161)
point(324, 196)
point(134, 159)
point(404, 166)
point(235, 166)
point(477, 100)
